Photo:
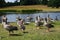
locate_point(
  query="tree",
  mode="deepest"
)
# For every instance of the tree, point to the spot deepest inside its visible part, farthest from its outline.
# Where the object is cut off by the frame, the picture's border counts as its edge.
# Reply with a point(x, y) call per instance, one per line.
point(16, 1)
point(2, 3)
point(54, 3)
point(44, 2)
point(29, 2)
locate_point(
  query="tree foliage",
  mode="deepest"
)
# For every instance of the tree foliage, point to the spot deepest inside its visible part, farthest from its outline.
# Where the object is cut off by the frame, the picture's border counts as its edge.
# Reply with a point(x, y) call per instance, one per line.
point(54, 3)
point(29, 2)
point(51, 3)
point(2, 3)
point(44, 2)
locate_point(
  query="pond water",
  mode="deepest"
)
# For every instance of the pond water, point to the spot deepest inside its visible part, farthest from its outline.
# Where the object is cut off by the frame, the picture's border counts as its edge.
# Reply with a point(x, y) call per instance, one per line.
point(12, 16)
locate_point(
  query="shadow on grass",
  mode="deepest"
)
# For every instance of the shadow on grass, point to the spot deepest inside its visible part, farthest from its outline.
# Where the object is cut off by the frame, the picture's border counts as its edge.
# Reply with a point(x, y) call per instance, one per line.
point(15, 35)
point(25, 32)
point(53, 31)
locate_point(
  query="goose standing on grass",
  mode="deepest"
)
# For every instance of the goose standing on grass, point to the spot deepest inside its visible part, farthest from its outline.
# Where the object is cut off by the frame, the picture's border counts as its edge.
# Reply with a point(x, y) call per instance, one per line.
point(21, 25)
point(4, 19)
point(48, 25)
point(38, 22)
point(17, 18)
point(10, 28)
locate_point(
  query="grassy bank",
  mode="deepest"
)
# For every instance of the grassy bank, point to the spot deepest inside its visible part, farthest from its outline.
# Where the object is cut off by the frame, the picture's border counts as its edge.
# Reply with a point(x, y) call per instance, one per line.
point(30, 7)
point(32, 34)
point(21, 11)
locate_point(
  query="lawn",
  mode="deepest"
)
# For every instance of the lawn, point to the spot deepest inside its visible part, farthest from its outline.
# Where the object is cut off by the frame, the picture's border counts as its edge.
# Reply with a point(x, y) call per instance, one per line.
point(33, 33)
point(31, 7)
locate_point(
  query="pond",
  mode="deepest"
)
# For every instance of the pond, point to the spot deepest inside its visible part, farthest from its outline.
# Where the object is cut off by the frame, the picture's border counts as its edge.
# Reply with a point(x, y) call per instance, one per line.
point(12, 16)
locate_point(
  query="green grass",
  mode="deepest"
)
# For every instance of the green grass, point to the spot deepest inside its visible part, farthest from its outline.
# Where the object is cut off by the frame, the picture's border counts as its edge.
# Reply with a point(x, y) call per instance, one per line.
point(32, 34)
point(21, 11)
